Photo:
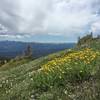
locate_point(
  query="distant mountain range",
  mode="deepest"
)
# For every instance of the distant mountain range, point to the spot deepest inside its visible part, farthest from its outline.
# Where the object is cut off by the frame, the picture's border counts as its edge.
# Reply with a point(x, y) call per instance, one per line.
point(11, 49)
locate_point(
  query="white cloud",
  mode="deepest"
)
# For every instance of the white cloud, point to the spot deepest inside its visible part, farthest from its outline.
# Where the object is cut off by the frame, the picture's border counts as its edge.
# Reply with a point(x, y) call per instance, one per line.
point(3, 29)
point(70, 18)
point(54, 17)
point(96, 27)
point(11, 36)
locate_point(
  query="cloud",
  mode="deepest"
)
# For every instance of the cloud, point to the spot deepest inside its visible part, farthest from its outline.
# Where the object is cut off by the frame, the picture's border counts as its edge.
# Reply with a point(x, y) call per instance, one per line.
point(73, 17)
point(69, 18)
point(3, 29)
point(95, 27)
point(12, 37)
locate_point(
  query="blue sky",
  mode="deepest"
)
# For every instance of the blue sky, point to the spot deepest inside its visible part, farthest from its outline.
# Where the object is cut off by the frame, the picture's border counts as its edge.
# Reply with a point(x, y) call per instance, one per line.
point(48, 20)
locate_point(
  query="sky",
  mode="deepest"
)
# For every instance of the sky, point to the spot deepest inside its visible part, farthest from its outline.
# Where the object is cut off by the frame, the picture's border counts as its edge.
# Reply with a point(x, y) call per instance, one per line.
point(48, 20)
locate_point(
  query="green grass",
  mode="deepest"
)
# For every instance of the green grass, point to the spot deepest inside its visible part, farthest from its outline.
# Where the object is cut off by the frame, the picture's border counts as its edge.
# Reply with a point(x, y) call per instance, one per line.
point(20, 80)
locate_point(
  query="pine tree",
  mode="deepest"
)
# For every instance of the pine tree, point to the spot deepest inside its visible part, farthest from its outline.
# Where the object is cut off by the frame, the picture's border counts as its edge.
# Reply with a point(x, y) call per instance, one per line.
point(28, 51)
point(79, 40)
point(91, 34)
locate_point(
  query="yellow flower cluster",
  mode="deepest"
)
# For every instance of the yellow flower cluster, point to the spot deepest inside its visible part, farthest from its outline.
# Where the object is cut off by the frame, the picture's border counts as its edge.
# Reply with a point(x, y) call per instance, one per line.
point(85, 56)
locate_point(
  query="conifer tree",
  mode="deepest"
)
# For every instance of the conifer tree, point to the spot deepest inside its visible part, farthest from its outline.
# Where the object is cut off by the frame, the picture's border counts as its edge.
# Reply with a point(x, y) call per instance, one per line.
point(28, 51)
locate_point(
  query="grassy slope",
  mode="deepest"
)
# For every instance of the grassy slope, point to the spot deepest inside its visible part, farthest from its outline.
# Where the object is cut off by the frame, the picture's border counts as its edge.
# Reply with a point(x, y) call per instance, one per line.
point(15, 77)
point(16, 82)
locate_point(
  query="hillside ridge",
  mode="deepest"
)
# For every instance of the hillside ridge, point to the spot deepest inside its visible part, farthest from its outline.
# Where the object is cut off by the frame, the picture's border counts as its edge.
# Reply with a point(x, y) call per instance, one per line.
point(74, 73)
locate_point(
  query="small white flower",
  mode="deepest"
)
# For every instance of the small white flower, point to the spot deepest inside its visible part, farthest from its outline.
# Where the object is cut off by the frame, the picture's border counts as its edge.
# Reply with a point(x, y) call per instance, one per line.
point(31, 79)
point(32, 96)
point(65, 92)
point(7, 81)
